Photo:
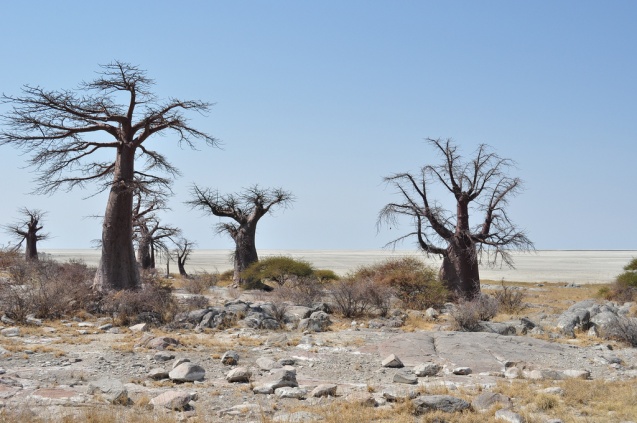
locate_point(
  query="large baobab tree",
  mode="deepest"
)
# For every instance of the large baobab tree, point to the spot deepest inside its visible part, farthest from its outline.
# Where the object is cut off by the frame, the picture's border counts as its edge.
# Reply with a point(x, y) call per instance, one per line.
point(245, 208)
point(480, 186)
point(69, 133)
point(28, 231)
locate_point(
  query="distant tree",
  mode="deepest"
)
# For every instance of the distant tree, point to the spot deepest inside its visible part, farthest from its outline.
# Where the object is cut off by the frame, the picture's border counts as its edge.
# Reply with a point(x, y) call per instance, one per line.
point(148, 231)
point(28, 231)
point(480, 185)
point(183, 249)
point(67, 131)
point(279, 269)
point(245, 208)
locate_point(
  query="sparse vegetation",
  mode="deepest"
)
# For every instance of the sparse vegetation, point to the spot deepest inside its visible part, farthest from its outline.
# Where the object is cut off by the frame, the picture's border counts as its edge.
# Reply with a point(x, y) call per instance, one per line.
point(510, 298)
point(279, 269)
point(625, 286)
point(467, 315)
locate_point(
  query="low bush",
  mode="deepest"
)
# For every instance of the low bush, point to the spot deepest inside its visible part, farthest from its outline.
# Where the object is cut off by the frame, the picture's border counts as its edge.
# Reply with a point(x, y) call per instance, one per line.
point(200, 283)
point(324, 275)
point(349, 297)
point(625, 286)
point(467, 315)
point(303, 291)
point(510, 299)
point(279, 269)
point(45, 289)
point(414, 283)
point(153, 303)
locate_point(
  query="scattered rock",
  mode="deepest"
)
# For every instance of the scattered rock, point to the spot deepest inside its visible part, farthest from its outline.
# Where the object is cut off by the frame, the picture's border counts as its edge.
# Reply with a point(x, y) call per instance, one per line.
point(446, 403)
point(486, 400)
point(187, 372)
point(461, 371)
point(291, 392)
point(239, 375)
point(173, 400)
point(277, 379)
point(324, 390)
point(230, 358)
point(427, 369)
point(10, 332)
point(405, 376)
point(112, 390)
point(157, 374)
point(392, 361)
point(140, 327)
point(509, 416)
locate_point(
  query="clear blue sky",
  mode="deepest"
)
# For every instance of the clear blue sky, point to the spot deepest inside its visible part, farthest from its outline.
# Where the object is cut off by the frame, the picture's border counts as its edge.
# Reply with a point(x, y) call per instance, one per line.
point(325, 98)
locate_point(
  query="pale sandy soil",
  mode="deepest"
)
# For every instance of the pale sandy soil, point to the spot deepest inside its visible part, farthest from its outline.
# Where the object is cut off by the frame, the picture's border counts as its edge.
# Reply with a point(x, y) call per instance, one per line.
point(541, 266)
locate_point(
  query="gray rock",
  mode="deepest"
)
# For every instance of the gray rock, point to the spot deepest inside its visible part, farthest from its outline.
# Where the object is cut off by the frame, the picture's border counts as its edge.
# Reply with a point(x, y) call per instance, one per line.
point(553, 390)
point(364, 399)
point(392, 361)
point(158, 374)
point(291, 392)
point(462, 371)
point(163, 356)
point(112, 390)
point(10, 332)
point(405, 376)
point(297, 417)
point(187, 372)
point(239, 375)
point(427, 369)
point(230, 358)
point(577, 374)
point(572, 319)
point(499, 328)
point(179, 361)
point(486, 400)
point(324, 390)
point(277, 379)
point(397, 393)
point(266, 363)
point(512, 373)
point(509, 416)
point(173, 400)
point(544, 374)
point(432, 313)
point(160, 343)
point(140, 327)
point(445, 403)
point(318, 321)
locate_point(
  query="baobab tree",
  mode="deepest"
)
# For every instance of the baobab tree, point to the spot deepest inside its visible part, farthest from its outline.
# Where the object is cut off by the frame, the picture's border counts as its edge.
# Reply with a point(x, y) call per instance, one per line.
point(68, 133)
point(245, 208)
point(183, 249)
point(480, 186)
point(28, 231)
point(148, 232)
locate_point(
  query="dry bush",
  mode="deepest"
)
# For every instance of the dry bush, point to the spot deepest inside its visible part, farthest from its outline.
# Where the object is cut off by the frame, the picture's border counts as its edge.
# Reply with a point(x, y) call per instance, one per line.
point(624, 330)
point(8, 257)
point(414, 283)
point(196, 302)
point(510, 298)
point(200, 282)
point(379, 296)
point(467, 315)
point(303, 291)
point(153, 303)
point(349, 297)
point(47, 290)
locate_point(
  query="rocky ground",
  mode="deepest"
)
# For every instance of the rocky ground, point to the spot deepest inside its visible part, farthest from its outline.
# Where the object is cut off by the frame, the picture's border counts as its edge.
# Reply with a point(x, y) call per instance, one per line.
point(247, 373)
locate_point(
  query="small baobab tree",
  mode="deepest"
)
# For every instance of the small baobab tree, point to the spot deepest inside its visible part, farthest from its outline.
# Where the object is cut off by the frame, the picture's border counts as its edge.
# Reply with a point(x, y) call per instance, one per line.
point(28, 231)
point(69, 131)
point(245, 208)
point(183, 249)
point(480, 186)
point(149, 233)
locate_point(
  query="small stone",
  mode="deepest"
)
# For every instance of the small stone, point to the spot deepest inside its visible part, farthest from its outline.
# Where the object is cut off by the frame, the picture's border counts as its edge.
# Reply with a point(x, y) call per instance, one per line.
point(187, 372)
point(239, 374)
point(553, 390)
point(486, 400)
point(291, 392)
point(427, 369)
point(105, 327)
point(577, 374)
point(173, 400)
point(509, 416)
point(112, 389)
point(158, 374)
point(405, 376)
point(266, 363)
point(392, 361)
point(512, 373)
point(230, 358)
point(179, 361)
point(163, 356)
point(10, 332)
point(462, 371)
point(324, 390)
point(141, 327)
point(446, 403)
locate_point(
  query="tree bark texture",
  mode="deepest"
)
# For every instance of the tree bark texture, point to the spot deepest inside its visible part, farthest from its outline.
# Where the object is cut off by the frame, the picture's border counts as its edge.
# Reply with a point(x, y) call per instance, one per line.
point(245, 252)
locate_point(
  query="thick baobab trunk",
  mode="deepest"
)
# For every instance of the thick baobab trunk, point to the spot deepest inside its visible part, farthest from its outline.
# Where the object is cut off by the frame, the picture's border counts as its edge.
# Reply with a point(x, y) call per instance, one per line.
point(245, 252)
point(118, 269)
point(31, 253)
point(144, 252)
point(460, 270)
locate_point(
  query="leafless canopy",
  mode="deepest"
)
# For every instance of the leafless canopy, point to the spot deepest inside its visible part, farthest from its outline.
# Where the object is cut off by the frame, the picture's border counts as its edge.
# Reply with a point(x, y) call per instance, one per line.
point(481, 186)
point(27, 228)
point(247, 206)
point(66, 130)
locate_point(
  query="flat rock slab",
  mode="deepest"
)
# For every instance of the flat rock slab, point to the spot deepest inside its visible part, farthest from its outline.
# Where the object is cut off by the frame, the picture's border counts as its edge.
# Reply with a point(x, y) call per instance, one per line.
point(482, 352)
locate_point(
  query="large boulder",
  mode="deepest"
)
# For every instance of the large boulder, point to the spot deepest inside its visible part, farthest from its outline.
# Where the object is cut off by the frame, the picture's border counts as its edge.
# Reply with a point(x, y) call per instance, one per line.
point(445, 403)
point(187, 372)
point(277, 379)
point(319, 321)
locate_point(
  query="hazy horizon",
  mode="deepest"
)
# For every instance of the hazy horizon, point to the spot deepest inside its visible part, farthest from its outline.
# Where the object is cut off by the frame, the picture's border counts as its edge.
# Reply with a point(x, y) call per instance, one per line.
point(570, 266)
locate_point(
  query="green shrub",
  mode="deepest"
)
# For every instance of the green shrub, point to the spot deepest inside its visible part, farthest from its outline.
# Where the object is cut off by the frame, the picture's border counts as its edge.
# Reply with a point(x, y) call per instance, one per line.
point(625, 286)
point(414, 283)
point(324, 275)
point(279, 269)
